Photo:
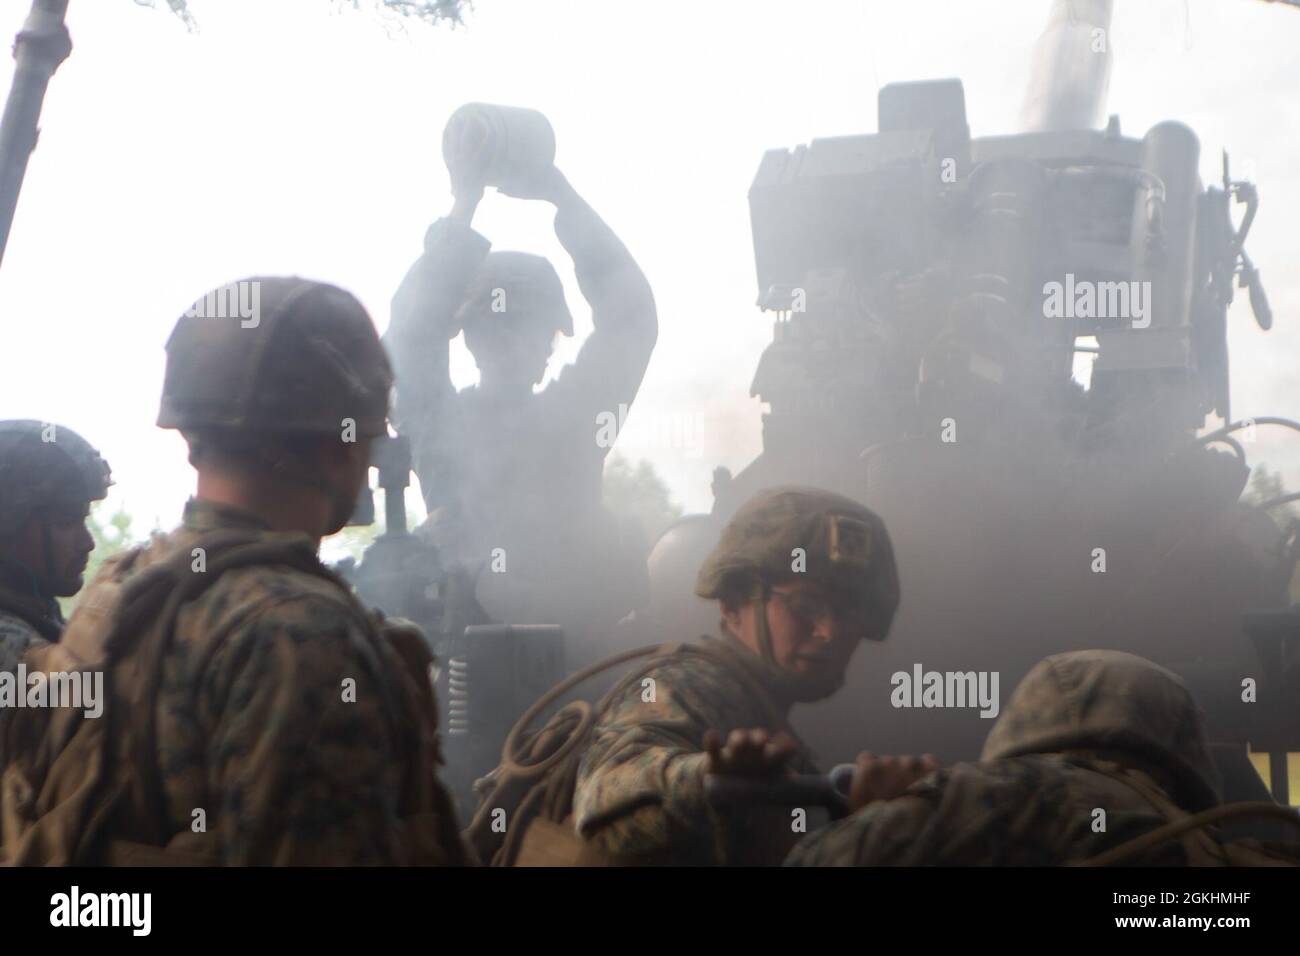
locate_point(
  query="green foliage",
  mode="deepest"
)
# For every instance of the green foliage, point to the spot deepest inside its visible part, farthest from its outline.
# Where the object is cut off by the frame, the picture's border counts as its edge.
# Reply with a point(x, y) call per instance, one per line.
point(351, 542)
point(430, 11)
point(113, 533)
point(116, 532)
point(638, 492)
point(178, 7)
point(1264, 486)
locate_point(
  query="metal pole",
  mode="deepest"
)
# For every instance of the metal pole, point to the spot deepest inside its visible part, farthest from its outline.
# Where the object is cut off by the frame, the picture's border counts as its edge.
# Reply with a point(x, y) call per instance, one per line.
point(41, 45)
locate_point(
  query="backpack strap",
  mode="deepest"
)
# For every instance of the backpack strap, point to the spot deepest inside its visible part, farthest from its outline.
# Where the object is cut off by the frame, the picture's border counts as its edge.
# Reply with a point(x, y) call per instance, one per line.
point(137, 646)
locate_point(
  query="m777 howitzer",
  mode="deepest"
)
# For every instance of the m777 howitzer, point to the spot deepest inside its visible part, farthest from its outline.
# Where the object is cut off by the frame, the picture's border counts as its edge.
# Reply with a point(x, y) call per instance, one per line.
point(401, 573)
point(488, 673)
point(917, 267)
point(932, 293)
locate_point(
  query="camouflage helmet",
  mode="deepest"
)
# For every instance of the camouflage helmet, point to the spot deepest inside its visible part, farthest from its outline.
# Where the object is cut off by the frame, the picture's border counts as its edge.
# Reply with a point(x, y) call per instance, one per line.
point(844, 546)
point(1110, 701)
point(525, 285)
point(44, 465)
point(276, 354)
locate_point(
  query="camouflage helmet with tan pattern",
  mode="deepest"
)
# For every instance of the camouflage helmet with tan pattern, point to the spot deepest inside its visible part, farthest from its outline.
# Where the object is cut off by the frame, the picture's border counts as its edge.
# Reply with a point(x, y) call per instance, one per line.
point(802, 533)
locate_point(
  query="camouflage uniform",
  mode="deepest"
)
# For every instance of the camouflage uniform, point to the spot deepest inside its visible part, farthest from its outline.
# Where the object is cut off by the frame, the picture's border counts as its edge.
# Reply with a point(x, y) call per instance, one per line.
point(1084, 731)
point(525, 476)
point(251, 725)
point(640, 786)
point(26, 618)
point(640, 791)
point(252, 687)
point(464, 442)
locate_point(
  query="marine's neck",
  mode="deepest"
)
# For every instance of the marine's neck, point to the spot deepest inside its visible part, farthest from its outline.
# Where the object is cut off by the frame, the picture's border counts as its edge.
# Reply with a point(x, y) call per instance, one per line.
point(22, 594)
point(17, 577)
point(281, 505)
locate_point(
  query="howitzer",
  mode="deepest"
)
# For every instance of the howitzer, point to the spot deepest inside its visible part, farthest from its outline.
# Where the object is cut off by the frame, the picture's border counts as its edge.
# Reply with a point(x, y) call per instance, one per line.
point(401, 573)
point(932, 289)
point(489, 672)
point(493, 672)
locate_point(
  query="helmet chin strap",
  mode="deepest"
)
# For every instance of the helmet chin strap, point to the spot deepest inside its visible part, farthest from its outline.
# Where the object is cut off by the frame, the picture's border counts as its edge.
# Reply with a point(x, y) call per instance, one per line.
point(794, 687)
point(760, 626)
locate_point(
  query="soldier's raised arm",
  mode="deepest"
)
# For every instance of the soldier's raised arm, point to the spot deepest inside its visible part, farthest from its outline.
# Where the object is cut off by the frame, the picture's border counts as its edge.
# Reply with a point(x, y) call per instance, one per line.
point(425, 318)
point(613, 359)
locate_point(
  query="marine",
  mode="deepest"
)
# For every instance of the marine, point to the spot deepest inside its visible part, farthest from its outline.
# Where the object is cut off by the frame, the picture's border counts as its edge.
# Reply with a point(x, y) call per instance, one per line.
point(49, 476)
point(512, 474)
point(802, 576)
point(257, 713)
point(1094, 749)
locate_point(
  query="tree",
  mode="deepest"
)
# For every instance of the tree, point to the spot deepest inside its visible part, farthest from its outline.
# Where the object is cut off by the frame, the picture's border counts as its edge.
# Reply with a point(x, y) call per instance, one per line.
point(44, 43)
point(352, 541)
point(430, 11)
point(1265, 486)
point(637, 491)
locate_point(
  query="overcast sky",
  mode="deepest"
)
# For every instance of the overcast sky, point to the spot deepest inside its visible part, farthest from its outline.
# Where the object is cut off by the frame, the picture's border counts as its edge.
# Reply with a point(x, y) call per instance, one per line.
point(298, 136)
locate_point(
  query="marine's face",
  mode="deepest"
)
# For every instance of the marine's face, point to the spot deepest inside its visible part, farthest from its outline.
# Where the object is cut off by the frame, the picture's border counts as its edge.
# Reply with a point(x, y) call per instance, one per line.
point(814, 632)
point(55, 545)
point(510, 353)
point(348, 477)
